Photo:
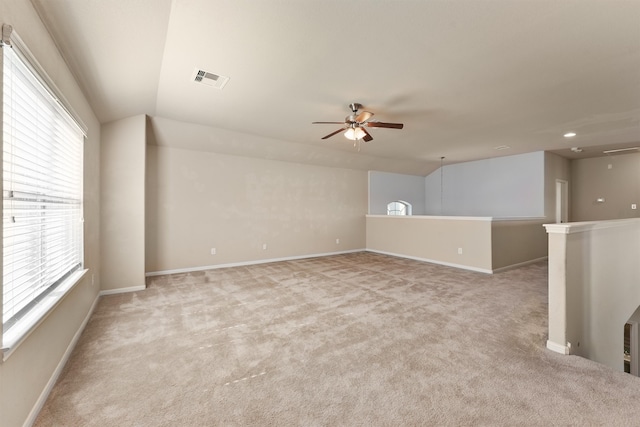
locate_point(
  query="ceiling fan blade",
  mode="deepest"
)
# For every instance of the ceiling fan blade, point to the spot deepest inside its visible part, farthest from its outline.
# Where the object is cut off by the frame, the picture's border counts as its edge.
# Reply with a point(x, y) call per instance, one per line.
point(367, 137)
point(333, 133)
point(384, 125)
point(364, 116)
point(327, 123)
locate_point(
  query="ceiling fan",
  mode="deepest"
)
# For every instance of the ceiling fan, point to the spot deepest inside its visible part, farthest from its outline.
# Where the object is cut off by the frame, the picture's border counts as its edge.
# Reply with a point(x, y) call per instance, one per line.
point(354, 125)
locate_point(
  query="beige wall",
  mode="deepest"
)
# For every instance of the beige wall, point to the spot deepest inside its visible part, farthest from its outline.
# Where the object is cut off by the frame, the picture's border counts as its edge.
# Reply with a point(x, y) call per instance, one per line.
point(27, 372)
point(435, 239)
point(593, 287)
point(614, 178)
point(199, 200)
point(517, 242)
point(122, 194)
point(487, 244)
point(190, 136)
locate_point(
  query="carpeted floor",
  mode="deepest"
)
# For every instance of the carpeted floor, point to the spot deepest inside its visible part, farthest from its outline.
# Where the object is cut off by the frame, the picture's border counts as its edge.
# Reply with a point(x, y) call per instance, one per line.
point(352, 340)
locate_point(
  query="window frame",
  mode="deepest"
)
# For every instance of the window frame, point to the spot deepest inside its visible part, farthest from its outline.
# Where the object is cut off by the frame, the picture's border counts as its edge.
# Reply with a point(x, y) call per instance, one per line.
point(407, 208)
point(43, 304)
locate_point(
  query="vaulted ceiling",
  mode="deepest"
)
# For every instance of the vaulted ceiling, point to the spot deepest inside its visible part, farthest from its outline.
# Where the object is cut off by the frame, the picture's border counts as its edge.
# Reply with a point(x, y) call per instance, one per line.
point(464, 76)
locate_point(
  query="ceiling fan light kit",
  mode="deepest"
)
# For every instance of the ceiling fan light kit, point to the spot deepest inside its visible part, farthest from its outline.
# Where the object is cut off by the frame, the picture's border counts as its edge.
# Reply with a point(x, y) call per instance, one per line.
point(354, 133)
point(354, 125)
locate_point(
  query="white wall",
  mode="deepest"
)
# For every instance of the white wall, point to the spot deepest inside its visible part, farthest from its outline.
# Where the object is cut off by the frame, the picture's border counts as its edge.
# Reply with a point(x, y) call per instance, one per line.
point(199, 200)
point(511, 186)
point(594, 287)
point(387, 187)
point(122, 192)
point(28, 373)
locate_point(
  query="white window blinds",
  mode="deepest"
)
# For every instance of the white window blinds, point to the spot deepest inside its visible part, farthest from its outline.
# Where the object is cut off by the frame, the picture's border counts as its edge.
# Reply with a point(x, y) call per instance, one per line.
point(42, 191)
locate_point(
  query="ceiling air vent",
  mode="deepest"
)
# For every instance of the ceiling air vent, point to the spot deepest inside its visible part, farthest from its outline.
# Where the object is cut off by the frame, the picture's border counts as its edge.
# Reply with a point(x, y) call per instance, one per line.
point(209, 79)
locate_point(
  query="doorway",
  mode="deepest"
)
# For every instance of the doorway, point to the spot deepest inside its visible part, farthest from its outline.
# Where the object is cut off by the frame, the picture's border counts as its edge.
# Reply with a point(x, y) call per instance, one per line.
point(562, 201)
point(631, 364)
point(632, 344)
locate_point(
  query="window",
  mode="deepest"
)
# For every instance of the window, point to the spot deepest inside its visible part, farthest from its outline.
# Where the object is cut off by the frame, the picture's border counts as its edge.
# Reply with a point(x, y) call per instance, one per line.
point(399, 208)
point(42, 197)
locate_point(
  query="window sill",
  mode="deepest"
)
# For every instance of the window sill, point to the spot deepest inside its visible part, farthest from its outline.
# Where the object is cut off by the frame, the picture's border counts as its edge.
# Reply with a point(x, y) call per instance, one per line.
point(25, 326)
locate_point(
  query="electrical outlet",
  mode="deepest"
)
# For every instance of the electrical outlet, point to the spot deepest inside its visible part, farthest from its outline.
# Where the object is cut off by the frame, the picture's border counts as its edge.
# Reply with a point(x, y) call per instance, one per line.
point(634, 206)
point(337, 241)
point(264, 246)
point(459, 251)
point(213, 251)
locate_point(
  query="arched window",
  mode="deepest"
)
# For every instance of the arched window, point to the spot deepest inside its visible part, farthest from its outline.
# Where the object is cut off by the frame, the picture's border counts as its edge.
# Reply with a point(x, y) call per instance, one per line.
point(399, 208)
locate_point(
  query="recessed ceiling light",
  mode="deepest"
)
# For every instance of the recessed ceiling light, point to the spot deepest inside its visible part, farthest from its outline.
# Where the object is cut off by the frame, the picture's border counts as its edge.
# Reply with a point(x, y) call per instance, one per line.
point(569, 134)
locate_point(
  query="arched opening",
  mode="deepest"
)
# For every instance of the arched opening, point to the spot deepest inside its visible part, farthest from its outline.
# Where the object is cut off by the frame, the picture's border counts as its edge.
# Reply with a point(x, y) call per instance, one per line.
point(399, 207)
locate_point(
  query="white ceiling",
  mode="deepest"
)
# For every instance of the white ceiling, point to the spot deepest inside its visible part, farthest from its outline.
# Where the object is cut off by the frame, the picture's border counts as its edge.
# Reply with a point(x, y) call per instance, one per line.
point(464, 76)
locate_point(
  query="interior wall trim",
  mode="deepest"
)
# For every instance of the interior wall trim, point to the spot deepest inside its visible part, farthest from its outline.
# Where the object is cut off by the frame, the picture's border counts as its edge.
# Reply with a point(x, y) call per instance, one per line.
point(448, 264)
point(519, 264)
point(245, 263)
point(122, 290)
point(586, 226)
point(558, 348)
point(37, 407)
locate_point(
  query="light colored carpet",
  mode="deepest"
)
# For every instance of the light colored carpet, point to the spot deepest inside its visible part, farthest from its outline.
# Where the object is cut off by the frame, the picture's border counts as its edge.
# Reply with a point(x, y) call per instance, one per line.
point(360, 340)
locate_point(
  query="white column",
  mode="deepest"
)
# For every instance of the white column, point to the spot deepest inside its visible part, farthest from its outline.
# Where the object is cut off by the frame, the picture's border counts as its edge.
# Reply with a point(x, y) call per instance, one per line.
point(557, 340)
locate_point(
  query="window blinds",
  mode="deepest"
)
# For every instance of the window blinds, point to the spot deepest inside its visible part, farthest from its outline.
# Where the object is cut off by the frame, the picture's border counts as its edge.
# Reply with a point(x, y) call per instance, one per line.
point(42, 191)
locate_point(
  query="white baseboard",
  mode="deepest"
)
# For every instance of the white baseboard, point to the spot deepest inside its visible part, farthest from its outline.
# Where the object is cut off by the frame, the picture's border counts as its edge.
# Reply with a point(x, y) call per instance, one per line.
point(432, 261)
point(245, 263)
point(122, 290)
point(520, 264)
point(558, 348)
point(56, 373)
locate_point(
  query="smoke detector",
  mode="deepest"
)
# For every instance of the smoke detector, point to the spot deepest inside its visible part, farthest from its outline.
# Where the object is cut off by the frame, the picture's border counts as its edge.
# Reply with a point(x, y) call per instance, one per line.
point(209, 79)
